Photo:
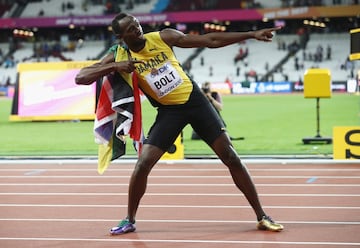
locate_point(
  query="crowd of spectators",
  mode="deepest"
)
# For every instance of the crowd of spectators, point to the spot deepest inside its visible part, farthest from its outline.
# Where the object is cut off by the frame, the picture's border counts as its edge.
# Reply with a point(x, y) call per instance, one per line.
point(188, 5)
point(43, 50)
point(9, 61)
point(242, 54)
point(114, 6)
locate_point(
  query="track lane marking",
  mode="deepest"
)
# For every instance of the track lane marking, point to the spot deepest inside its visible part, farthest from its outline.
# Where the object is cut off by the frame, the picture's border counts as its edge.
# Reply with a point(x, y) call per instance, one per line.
point(174, 206)
point(191, 177)
point(176, 194)
point(184, 221)
point(180, 184)
point(123, 240)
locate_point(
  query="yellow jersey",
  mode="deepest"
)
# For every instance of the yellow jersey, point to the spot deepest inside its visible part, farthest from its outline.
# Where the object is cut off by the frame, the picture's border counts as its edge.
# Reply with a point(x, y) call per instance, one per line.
point(161, 77)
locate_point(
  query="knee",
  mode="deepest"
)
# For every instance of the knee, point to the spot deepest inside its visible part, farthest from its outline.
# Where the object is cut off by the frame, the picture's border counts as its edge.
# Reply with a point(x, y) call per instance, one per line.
point(143, 167)
point(231, 159)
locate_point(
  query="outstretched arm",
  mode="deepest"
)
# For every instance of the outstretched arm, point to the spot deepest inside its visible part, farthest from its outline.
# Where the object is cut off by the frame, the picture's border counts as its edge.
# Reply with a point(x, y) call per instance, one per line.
point(214, 40)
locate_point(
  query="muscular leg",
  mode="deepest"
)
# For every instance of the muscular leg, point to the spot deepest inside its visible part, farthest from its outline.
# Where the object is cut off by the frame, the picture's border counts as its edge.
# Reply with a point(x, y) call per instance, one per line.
point(224, 149)
point(149, 156)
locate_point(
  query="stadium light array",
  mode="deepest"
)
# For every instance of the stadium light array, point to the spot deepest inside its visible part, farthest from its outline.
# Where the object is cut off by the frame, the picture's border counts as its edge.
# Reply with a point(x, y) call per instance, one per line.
point(212, 27)
point(22, 33)
point(314, 23)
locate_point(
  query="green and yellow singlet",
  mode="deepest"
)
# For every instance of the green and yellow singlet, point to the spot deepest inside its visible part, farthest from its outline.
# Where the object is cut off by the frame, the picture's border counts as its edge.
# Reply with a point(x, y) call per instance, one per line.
point(161, 76)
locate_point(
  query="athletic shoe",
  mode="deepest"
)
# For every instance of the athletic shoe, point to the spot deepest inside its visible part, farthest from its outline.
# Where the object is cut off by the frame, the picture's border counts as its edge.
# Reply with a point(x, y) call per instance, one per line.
point(125, 226)
point(266, 223)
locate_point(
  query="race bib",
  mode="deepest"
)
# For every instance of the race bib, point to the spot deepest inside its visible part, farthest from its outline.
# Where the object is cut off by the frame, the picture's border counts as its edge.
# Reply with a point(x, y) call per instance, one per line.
point(163, 80)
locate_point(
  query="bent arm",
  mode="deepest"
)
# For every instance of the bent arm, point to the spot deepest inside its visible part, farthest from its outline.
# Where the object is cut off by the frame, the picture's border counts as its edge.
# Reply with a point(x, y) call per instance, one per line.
point(216, 104)
point(92, 73)
point(214, 40)
point(215, 100)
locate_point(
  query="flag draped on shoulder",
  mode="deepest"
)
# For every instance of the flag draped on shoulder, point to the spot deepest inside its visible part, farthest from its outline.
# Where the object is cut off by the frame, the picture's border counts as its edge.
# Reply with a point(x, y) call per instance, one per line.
point(118, 114)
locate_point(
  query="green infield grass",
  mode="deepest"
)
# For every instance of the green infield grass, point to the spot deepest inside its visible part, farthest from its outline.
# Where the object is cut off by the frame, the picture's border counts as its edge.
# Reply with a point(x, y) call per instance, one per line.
point(272, 124)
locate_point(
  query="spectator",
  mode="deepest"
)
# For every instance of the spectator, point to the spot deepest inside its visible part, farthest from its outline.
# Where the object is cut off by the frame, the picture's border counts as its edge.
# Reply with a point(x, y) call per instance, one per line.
point(328, 52)
point(9, 62)
point(216, 101)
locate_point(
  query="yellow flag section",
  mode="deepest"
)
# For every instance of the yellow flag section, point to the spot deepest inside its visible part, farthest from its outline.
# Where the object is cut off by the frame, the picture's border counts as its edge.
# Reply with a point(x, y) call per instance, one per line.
point(104, 156)
point(47, 91)
point(346, 142)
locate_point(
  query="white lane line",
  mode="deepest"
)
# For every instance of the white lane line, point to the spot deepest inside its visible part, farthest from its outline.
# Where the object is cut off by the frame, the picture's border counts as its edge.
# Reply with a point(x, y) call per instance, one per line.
point(34, 172)
point(172, 206)
point(182, 177)
point(189, 241)
point(173, 194)
point(284, 161)
point(180, 184)
point(185, 221)
point(185, 169)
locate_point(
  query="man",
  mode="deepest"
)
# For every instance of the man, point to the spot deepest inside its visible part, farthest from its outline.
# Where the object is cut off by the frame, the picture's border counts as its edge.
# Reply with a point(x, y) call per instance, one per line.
point(179, 102)
point(213, 96)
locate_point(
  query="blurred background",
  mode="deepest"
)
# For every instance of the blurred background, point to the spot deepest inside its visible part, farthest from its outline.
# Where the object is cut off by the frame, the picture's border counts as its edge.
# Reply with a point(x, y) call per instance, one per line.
point(43, 43)
point(315, 34)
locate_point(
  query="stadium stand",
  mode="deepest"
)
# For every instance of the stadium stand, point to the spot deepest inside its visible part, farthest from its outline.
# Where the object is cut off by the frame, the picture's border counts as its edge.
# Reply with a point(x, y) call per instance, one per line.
point(340, 48)
point(34, 8)
point(25, 54)
point(160, 6)
point(4, 7)
point(85, 8)
point(188, 5)
point(269, 61)
point(223, 66)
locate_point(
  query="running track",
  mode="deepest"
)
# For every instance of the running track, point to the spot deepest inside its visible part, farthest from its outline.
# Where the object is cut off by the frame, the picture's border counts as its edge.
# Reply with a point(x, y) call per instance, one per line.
point(190, 203)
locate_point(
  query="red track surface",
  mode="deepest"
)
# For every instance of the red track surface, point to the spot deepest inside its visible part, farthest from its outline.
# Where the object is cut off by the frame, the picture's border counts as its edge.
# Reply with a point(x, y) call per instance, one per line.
point(186, 205)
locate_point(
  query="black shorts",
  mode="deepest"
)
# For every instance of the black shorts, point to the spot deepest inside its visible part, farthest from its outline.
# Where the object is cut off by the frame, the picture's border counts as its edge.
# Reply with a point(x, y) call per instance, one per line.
point(171, 120)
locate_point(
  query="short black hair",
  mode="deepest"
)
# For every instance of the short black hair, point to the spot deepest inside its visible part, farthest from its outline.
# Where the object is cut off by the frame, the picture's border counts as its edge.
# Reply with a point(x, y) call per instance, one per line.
point(115, 23)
